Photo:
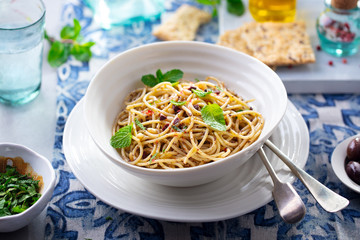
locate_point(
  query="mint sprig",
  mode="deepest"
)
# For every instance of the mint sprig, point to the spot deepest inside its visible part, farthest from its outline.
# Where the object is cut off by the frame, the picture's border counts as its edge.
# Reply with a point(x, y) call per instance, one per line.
point(122, 138)
point(200, 93)
point(177, 103)
point(213, 116)
point(171, 76)
point(69, 44)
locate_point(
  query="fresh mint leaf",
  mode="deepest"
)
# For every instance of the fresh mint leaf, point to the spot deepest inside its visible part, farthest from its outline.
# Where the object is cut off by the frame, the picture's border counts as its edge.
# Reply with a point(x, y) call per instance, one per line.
point(159, 75)
point(201, 93)
point(82, 52)
point(235, 7)
point(58, 54)
point(69, 32)
point(60, 50)
point(173, 76)
point(139, 124)
point(213, 116)
point(177, 103)
point(122, 137)
point(150, 80)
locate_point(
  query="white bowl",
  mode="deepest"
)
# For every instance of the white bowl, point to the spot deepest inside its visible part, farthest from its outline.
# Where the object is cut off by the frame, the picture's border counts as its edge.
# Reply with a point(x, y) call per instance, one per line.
point(42, 167)
point(338, 164)
point(241, 73)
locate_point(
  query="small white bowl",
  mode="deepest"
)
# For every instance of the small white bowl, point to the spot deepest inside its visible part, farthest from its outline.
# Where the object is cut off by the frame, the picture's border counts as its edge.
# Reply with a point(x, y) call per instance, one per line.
point(338, 164)
point(241, 73)
point(42, 167)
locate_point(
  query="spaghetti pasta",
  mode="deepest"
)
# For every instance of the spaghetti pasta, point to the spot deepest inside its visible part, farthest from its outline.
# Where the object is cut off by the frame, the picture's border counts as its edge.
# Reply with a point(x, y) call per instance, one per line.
point(169, 130)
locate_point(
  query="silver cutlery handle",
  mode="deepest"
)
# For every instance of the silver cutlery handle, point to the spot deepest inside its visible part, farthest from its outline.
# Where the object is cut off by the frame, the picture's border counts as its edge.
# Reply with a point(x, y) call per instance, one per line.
point(329, 200)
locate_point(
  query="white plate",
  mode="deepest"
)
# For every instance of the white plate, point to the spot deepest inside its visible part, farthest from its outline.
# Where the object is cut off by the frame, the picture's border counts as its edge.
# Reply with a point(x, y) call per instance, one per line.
point(241, 191)
point(338, 164)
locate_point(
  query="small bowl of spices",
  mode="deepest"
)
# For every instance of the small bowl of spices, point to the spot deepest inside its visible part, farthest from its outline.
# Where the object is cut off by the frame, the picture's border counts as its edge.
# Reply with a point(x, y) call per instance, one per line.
point(27, 182)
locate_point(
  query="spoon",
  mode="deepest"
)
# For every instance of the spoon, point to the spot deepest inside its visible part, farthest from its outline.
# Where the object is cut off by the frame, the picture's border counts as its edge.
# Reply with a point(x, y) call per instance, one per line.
point(288, 202)
point(329, 200)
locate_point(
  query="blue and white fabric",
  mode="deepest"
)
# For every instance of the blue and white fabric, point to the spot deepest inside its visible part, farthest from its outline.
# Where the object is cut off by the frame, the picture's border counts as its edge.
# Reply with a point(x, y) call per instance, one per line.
point(74, 213)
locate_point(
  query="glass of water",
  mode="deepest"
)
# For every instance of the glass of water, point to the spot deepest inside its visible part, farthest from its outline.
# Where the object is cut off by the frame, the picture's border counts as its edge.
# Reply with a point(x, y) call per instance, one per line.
point(21, 45)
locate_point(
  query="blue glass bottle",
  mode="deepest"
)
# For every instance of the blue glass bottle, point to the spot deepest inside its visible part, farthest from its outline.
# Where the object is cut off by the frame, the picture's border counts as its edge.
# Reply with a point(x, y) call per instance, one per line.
point(338, 28)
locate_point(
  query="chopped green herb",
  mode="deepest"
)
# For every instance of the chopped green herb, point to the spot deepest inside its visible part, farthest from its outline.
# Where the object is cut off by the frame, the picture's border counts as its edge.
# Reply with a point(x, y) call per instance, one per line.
point(175, 84)
point(197, 80)
point(176, 128)
point(213, 116)
point(177, 103)
point(139, 124)
point(122, 137)
point(171, 76)
point(17, 192)
point(218, 88)
point(200, 93)
point(152, 158)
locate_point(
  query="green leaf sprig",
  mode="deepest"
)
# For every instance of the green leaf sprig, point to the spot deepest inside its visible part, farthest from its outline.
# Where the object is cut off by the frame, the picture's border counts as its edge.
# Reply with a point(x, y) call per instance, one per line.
point(213, 116)
point(171, 76)
point(212, 3)
point(122, 138)
point(17, 192)
point(177, 103)
point(201, 93)
point(235, 7)
point(70, 44)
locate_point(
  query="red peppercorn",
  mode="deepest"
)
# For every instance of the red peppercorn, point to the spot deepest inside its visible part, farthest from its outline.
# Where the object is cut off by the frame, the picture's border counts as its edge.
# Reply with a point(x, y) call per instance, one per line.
point(344, 61)
point(318, 47)
point(330, 63)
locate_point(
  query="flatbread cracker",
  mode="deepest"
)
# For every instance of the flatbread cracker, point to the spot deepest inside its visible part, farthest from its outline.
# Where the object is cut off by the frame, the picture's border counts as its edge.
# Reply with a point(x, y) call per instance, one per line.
point(183, 25)
point(275, 44)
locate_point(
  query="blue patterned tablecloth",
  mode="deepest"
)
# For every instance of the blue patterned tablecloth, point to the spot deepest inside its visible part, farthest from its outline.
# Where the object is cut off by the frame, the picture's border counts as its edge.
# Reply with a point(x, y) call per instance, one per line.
point(74, 213)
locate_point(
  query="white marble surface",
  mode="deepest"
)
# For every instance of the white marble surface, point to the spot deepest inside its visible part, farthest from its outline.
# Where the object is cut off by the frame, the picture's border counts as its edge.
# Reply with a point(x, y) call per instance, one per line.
point(33, 124)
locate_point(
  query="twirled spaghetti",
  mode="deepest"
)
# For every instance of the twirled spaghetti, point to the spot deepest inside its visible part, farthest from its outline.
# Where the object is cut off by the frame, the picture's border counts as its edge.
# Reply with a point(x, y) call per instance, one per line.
point(170, 135)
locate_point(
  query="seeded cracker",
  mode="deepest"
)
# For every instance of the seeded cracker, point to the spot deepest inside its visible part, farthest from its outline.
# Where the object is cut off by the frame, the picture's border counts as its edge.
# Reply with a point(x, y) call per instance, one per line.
point(275, 44)
point(183, 24)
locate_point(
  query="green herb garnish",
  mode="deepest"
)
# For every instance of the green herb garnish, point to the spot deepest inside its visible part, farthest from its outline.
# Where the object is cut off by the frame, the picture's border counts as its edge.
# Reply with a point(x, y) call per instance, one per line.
point(177, 103)
point(213, 116)
point(60, 50)
point(212, 3)
point(176, 128)
point(200, 93)
point(139, 124)
point(122, 137)
point(171, 76)
point(17, 192)
point(152, 158)
point(235, 7)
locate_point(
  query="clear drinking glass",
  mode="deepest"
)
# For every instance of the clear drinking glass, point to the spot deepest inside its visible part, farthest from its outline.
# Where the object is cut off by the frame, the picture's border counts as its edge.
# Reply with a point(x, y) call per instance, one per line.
point(21, 46)
point(110, 13)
